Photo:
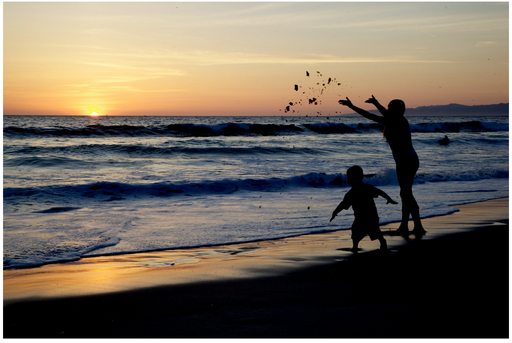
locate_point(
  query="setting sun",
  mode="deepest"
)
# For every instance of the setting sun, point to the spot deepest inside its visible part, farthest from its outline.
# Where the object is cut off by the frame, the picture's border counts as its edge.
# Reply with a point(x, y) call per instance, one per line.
point(93, 111)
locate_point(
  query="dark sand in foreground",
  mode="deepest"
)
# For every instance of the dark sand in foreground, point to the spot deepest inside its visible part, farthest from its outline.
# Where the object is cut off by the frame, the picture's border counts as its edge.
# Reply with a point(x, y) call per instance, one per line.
point(453, 283)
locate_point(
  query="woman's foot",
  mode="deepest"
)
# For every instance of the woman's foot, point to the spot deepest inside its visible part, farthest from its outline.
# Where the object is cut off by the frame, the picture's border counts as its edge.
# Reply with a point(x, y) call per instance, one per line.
point(402, 231)
point(418, 231)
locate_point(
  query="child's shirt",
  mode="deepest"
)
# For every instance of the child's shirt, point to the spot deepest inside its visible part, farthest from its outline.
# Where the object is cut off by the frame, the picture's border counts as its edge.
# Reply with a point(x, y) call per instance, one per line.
point(360, 197)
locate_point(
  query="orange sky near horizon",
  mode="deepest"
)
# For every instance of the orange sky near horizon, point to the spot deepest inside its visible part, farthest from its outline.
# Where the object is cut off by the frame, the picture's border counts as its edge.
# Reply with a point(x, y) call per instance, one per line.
point(237, 58)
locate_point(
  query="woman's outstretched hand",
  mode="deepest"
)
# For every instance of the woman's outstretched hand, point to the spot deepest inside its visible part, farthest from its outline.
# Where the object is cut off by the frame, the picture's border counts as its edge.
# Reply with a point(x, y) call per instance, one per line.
point(345, 102)
point(372, 100)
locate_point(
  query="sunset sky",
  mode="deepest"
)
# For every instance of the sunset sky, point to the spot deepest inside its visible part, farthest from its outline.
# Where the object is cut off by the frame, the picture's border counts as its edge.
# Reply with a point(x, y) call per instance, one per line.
point(241, 58)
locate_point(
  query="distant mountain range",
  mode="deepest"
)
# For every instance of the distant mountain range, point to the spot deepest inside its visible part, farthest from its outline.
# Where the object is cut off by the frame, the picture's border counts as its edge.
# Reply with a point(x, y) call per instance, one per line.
point(458, 110)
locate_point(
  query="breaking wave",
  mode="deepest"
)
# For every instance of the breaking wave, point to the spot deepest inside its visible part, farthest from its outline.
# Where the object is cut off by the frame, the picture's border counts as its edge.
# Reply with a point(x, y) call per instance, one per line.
point(113, 191)
point(241, 129)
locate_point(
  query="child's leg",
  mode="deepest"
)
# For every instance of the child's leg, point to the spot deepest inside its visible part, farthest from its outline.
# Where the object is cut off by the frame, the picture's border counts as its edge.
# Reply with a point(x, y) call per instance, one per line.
point(355, 244)
point(383, 243)
point(357, 235)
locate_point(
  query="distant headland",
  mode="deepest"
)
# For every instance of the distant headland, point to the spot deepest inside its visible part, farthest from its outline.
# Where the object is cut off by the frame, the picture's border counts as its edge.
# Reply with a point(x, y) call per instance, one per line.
point(457, 110)
point(460, 110)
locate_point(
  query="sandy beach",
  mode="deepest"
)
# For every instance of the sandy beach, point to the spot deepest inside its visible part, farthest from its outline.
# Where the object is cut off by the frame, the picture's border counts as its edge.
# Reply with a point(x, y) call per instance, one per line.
point(451, 283)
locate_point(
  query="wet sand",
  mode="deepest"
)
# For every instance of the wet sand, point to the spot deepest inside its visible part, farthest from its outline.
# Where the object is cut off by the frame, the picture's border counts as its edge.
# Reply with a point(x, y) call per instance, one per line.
point(452, 283)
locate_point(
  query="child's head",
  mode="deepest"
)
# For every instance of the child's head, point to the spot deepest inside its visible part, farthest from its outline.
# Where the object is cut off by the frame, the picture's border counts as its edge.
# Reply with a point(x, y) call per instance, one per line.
point(396, 108)
point(354, 175)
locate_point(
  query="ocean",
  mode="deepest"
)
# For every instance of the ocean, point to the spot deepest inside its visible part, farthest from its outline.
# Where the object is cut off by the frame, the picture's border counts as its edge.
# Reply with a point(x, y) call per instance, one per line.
point(92, 186)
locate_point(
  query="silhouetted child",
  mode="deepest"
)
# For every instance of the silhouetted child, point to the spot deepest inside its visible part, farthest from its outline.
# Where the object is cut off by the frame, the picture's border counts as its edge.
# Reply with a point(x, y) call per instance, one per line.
point(360, 197)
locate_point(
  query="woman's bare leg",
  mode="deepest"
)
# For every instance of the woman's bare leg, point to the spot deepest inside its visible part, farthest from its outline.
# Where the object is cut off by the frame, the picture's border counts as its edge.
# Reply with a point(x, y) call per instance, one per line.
point(405, 175)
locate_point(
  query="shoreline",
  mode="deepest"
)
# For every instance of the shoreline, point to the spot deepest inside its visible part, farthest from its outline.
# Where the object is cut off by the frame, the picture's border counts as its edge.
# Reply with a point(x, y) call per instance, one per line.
point(387, 226)
point(303, 286)
point(195, 264)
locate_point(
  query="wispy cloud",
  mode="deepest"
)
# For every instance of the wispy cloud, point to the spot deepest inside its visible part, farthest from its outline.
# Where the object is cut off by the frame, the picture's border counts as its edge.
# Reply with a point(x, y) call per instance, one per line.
point(485, 44)
point(216, 58)
point(148, 72)
point(210, 57)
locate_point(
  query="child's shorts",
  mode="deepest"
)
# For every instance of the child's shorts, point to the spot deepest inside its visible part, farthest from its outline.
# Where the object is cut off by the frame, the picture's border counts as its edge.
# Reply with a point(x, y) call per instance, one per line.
point(361, 228)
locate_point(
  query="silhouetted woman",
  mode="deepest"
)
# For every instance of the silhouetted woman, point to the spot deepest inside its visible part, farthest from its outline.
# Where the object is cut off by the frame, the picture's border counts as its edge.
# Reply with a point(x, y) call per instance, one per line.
point(398, 135)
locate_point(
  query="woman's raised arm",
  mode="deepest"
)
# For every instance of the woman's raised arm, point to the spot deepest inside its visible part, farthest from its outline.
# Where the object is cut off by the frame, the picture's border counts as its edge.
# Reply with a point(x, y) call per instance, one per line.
point(366, 114)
